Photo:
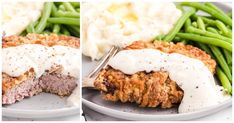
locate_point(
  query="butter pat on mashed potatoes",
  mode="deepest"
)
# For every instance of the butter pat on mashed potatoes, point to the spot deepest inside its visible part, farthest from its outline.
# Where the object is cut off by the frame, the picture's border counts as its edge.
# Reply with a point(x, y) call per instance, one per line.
point(120, 24)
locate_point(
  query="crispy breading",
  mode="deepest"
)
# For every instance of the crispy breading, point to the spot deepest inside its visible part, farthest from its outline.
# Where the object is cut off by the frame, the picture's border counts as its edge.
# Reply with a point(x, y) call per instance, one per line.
point(148, 89)
point(8, 82)
point(46, 40)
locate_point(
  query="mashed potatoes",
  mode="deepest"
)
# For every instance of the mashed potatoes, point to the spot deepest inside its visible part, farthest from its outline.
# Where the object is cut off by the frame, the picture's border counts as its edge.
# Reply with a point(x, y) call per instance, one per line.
point(18, 15)
point(120, 24)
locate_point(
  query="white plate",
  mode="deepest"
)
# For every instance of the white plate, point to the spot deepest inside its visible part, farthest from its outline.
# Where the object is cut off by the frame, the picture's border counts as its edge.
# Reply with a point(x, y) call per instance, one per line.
point(128, 111)
point(44, 105)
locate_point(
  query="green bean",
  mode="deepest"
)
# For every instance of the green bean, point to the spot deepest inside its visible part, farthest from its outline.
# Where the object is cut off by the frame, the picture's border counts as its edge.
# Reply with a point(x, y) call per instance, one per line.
point(75, 4)
point(214, 7)
point(228, 56)
point(209, 21)
point(30, 28)
point(179, 24)
point(209, 10)
point(229, 34)
point(221, 26)
point(224, 80)
point(213, 30)
point(54, 10)
point(229, 14)
point(68, 21)
point(200, 24)
point(60, 13)
point(65, 31)
point(177, 39)
point(230, 28)
point(66, 14)
point(56, 28)
point(194, 24)
point(187, 24)
point(206, 40)
point(178, 6)
point(61, 7)
point(75, 31)
point(45, 15)
point(58, 3)
point(208, 34)
point(78, 10)
point(194, 17)
point(49, 25)
point(221, 60)
point(68, 7)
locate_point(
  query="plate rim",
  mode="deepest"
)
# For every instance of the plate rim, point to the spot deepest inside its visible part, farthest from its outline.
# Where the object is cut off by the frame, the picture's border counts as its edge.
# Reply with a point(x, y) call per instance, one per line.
point(133, 116)
point(26, 113)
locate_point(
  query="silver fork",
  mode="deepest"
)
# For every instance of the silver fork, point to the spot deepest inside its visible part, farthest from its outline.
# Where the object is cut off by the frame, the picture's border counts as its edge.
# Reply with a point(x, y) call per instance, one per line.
point(87, 82)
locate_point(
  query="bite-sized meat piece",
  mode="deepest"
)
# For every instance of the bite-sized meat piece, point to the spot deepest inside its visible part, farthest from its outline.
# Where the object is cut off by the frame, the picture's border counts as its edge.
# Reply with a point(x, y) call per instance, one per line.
point(52, 81)
point(148, 89)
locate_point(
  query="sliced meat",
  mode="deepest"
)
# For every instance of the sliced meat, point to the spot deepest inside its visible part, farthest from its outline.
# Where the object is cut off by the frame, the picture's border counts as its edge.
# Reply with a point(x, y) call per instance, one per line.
point(58, 84)
point(51, 83)
point(27, 88)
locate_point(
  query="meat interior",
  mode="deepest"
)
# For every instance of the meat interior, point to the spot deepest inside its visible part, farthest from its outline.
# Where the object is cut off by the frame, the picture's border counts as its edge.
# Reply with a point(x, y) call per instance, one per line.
point(50, 82)
point(148, 89)
point(17, 88)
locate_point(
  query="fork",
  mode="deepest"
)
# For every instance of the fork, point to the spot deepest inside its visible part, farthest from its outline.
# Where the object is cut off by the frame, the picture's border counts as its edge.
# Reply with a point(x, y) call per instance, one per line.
point(87, 82)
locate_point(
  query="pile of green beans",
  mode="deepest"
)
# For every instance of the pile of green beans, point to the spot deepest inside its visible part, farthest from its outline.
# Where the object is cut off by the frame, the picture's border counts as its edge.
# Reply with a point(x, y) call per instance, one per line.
point(62, 18)
point(212, 33)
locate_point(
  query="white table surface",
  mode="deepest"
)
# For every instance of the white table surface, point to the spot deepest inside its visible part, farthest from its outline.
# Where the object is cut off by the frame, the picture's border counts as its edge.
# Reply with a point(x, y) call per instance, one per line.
point(223, 115)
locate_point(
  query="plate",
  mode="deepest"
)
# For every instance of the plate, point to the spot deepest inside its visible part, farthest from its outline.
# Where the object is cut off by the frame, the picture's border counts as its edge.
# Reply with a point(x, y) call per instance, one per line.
point(128, 111)
point(43, 105)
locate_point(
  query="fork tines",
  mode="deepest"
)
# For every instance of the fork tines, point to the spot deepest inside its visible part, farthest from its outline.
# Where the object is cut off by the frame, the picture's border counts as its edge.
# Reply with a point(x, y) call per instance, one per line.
point(88, 81)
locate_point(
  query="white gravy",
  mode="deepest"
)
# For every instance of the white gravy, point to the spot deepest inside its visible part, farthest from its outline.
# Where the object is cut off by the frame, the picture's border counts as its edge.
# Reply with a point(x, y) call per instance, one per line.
point(190, 74)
